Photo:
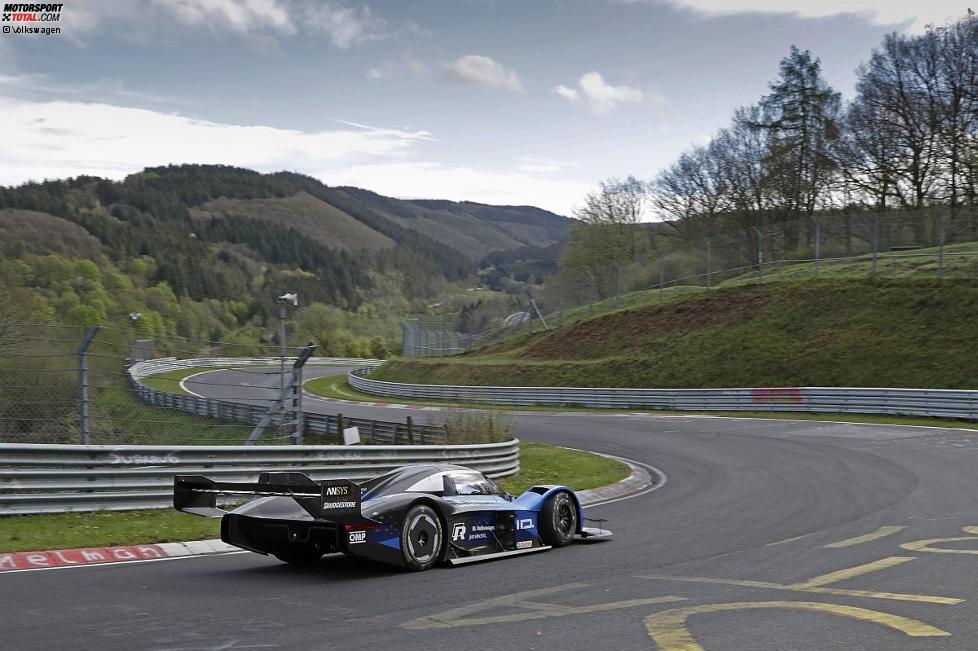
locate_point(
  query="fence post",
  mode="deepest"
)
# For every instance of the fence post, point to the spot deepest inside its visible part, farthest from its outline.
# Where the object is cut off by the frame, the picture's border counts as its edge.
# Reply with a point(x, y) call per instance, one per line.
point(410, 430)
point(90, 333)
point(560, 307)
point(940, 247)
point(876, 239)
point(760, 255)
point(617, 285)
point(662, 277)
point(709, 265)
point(818, 245)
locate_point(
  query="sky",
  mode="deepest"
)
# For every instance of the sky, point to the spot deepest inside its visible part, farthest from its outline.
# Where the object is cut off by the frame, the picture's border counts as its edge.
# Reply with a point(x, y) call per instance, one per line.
point(499, 101)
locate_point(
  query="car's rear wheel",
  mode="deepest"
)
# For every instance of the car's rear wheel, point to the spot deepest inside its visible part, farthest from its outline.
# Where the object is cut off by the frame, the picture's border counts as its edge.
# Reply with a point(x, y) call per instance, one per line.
point(421, 538)
point(302, 556)
point(558, 519)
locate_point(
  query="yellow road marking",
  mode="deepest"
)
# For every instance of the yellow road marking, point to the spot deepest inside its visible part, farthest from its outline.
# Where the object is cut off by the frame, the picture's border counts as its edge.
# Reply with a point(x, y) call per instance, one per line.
point(817, 585)
point(882, 532)
point(849, 572)
point(668, 628)
point(463, 616)
point(843, 592)
point(926, 545)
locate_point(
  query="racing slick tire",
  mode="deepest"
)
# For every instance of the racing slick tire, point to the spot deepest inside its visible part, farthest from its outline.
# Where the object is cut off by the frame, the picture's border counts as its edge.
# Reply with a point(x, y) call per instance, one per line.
point(558, 519)
point(304, 557)
point(422, 536)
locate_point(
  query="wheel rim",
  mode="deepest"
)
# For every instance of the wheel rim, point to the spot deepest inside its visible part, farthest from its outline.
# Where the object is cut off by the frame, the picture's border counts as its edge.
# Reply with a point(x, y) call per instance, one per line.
point(564, 518)
point(423, 538)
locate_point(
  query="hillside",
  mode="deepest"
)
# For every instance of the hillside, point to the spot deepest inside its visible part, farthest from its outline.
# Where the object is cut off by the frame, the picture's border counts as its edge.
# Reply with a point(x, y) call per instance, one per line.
point(903, 332)
point(214, 245)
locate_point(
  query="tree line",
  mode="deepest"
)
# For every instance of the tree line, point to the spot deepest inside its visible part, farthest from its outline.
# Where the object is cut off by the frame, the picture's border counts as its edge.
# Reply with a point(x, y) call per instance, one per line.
point(907, 140)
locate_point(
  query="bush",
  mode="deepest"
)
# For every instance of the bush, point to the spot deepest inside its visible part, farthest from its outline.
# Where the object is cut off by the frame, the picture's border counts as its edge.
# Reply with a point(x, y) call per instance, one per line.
point(464, 426)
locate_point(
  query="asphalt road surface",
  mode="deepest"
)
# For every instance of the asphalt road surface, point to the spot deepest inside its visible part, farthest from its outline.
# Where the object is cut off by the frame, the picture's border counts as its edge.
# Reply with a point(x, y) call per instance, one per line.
point(769, 535)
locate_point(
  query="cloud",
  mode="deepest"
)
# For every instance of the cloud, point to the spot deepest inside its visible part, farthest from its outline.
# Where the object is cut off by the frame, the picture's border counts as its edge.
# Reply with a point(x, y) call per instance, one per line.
point(58, 139)
point(600, 97)
point(483, 71)
point(429, 180)
point(912, 13)
point(391, 69)
point(258, 22)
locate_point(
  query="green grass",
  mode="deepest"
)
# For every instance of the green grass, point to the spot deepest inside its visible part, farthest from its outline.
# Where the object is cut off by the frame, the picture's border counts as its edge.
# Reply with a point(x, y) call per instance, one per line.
point(170, 381)
point(896, 332)
point(547, 464)
point(539, 464)
point(71, 530)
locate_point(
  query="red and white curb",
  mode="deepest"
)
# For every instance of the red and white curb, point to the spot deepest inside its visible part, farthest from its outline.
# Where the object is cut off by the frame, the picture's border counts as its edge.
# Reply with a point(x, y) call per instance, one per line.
point(63, 558)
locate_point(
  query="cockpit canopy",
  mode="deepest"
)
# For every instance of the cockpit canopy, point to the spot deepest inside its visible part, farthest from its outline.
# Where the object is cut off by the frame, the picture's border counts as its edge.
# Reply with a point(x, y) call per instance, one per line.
point(441, 480)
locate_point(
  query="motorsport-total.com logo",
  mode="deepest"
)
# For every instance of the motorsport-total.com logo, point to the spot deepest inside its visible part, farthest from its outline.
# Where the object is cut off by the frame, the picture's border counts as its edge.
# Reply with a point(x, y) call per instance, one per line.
point(27, 15)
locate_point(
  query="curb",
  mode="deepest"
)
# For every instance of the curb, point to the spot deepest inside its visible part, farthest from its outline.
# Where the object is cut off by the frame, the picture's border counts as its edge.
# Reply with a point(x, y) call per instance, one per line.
point(639, 480)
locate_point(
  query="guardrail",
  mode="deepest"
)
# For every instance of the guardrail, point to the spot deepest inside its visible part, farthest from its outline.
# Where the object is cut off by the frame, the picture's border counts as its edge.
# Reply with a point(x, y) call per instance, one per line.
point(940, 403)
point(56, 478)
point(371, 431)
point(140, 370)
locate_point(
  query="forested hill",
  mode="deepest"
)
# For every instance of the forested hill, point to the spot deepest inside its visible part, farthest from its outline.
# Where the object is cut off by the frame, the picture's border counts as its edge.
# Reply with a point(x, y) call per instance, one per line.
point(219, 233)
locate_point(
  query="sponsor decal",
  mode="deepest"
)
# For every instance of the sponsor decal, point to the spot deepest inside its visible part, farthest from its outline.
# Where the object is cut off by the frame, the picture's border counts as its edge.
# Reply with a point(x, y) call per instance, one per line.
point(524, 544)
point(88, 556)
point(525, 524)
point(333, 491)
point(357, 537)
point(777, 396)
point(338, 505)
point(484, 527)
point(458, 531)
point(142, 459)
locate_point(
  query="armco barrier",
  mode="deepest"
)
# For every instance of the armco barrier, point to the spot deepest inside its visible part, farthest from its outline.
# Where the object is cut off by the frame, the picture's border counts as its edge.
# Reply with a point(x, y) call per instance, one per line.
point(57, 478)
point(940, 403)
point(371, 431)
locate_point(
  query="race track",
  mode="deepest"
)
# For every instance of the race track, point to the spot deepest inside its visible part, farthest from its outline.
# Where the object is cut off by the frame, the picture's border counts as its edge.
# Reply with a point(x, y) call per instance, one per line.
point(769, 535)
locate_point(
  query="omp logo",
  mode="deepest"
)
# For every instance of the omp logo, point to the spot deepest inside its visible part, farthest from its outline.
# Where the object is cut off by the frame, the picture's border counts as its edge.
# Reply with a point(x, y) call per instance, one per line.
point(357, 537)
point(524, 524)
point(524, 544)
point(333, 491)
point(458, 532)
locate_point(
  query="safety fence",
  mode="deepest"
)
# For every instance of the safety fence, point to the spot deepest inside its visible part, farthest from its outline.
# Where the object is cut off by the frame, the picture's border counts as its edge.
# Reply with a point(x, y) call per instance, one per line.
point(939, 403)
point(38, 478)
point(371, 431)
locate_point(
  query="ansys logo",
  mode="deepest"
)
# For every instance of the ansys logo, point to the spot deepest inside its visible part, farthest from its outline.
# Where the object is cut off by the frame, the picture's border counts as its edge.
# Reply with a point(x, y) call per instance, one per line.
point(31, 13)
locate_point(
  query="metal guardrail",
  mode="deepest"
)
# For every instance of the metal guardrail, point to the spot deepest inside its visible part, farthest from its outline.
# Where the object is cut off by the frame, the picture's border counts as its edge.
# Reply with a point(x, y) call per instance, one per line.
point(371, 431)
point(940, 403)
point(142, 370)
point(55, 478)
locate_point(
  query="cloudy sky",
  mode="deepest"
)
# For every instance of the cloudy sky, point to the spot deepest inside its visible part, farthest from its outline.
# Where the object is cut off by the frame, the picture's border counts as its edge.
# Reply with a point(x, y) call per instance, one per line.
point(501, 101)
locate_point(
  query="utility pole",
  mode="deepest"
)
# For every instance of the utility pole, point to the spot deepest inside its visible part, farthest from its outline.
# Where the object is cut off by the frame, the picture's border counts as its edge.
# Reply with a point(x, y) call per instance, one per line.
point(283, 300)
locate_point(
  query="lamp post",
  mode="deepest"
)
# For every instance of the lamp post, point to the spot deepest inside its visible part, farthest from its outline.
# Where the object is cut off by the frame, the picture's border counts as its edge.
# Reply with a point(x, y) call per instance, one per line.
point(283, 300)
point(133, 317)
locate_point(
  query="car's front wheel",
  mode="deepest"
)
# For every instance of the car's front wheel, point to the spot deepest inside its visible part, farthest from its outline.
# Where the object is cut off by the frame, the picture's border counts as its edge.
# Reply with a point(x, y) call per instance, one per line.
point(421, 538)
point(558, 519)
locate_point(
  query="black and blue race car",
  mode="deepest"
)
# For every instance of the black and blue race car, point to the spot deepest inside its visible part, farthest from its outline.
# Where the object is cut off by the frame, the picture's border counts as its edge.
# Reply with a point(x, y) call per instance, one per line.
point(412, 517)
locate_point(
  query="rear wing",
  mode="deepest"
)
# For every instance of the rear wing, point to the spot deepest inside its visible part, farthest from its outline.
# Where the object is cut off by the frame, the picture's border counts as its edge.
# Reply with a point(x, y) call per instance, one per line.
point(337, 500)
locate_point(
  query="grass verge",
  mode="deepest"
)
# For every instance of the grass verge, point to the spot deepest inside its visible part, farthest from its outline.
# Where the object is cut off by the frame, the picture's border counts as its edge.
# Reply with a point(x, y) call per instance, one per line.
point(539, 464)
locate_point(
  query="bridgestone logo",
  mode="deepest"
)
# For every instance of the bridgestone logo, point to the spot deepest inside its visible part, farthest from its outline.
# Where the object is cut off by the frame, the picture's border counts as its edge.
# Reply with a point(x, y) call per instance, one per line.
point(339, 505)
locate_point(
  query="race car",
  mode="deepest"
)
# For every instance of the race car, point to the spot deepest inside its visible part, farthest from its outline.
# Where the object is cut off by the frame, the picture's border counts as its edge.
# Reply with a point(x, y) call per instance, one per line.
point(413, 517)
